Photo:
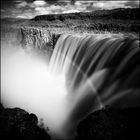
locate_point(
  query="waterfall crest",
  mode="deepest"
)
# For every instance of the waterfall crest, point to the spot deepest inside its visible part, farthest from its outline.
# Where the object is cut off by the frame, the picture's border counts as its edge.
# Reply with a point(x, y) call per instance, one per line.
point(108, 64)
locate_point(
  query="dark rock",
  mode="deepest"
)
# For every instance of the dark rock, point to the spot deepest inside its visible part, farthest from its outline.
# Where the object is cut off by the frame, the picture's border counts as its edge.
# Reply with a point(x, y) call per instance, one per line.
point(110, 124)
point(1, 108)
point(16, 123)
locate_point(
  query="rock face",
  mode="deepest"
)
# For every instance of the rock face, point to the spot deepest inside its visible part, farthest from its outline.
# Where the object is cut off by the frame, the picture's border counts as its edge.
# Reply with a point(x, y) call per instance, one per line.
point(38, 38)
point(110, 124)
point(16, 123)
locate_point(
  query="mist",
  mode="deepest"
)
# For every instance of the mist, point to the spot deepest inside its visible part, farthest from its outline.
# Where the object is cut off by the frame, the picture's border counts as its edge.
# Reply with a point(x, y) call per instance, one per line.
point(27, 83)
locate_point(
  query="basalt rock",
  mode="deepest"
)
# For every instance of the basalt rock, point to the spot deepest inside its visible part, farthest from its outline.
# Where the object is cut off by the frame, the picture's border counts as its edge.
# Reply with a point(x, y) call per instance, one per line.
point(110, 124)
point(36, 38)
point(16, 123)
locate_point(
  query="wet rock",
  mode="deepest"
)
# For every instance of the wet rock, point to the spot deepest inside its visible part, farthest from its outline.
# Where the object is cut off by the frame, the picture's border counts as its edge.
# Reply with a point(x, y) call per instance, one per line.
point(16, 123)
point(110, 124)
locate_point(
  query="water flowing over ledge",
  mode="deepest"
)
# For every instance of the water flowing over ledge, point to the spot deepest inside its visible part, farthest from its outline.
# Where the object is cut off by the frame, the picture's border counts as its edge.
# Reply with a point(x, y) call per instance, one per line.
point(83, 73)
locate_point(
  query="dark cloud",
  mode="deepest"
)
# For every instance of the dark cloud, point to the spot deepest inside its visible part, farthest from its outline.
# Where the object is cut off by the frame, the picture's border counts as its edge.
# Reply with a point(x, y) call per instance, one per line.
point(132, 3)
point(6, 3)
point(31, 8)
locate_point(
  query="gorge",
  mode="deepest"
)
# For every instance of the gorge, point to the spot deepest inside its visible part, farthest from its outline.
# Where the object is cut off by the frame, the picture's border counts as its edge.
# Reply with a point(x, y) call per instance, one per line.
point(64, 77)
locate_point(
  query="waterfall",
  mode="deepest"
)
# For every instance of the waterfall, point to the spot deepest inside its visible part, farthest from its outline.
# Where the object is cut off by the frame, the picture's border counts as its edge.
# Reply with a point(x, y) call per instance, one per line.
point(109, 65)
point(100, 70)
point(84, 74)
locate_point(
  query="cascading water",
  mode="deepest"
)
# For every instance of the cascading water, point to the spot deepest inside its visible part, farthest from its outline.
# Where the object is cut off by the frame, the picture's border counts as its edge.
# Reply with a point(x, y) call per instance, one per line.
point(100, 70)
point(84, 74)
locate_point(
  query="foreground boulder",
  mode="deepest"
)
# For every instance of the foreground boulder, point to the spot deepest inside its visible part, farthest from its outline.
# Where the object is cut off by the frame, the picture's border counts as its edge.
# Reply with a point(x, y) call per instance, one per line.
point(16, 123)
point(110, 124)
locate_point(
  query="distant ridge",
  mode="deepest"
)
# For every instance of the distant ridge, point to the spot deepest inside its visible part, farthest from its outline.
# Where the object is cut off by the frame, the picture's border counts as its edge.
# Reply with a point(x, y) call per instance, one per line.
point(121, 13)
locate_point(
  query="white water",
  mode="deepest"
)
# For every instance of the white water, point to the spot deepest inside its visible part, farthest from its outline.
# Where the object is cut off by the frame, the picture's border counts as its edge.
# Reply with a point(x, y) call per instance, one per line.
point(83, 75)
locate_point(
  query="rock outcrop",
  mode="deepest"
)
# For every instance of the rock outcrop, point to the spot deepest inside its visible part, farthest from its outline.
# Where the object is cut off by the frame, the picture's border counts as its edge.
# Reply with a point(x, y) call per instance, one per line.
point(110, 124)
point(38, 38)
point(16, 123)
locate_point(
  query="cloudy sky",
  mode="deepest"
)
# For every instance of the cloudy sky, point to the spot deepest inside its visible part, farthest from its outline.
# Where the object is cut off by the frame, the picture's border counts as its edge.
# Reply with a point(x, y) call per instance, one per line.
point(31, 8)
